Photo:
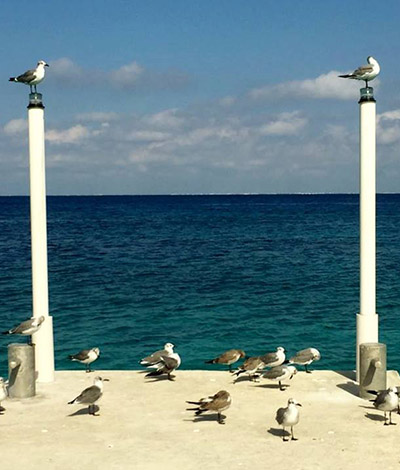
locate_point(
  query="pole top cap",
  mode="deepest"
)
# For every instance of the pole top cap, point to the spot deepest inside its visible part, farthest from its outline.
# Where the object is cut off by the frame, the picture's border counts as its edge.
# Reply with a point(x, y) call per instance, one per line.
point(35, 100)
point(367, 94)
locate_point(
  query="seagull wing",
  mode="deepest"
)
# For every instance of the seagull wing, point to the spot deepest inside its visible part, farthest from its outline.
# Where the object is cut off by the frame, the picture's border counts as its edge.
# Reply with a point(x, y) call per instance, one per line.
point(89, 395)
point(27, 77)
point(80, 356)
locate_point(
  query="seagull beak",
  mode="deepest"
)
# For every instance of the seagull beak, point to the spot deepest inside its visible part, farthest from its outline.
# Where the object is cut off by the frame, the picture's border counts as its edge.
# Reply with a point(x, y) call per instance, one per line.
point(106, 380)
point(299, 404)
point(46, 65)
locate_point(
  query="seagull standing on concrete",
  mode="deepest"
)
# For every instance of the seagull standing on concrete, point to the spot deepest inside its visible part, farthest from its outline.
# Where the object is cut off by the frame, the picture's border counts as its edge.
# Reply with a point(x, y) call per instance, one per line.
point(3, 394)
point(26, 328)
point(365, 72)
point(387, 401)
point(90, 395)
point(165, 365)
point(87, 356)
point(280, 373)
point(288, 416)
point(219, 402)
point(32, 77)
point(305, 357)
point(155, 356)
point(274, 359)
point(251, 366)
point(228, 358)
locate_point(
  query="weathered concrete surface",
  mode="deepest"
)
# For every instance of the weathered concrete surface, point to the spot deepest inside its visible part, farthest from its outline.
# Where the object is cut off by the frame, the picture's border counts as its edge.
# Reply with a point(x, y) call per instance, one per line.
point(143, 425)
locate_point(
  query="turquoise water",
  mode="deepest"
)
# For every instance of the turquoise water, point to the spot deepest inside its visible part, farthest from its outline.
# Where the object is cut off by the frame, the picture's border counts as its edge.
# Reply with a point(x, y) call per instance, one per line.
point(208, 273)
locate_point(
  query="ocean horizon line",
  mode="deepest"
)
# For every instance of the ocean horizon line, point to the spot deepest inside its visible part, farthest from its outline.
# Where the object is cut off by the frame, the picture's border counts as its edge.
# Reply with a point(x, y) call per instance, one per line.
point(204, 194)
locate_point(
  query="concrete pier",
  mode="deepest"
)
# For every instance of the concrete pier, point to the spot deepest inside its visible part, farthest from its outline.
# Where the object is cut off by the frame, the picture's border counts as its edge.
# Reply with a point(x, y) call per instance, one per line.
point(143, 425)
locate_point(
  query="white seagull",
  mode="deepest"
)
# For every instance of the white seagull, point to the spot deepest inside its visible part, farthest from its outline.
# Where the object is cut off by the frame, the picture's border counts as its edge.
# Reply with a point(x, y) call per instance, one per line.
point(90, 395)
point(32, 77)
point(87, 356)
point(365, 72)
point(26, 328)
point(288, 416)
point(386, 401)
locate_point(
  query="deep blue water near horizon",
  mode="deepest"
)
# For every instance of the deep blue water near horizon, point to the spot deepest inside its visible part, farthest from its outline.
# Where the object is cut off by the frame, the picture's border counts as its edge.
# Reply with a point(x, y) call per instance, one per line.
point(208, 273)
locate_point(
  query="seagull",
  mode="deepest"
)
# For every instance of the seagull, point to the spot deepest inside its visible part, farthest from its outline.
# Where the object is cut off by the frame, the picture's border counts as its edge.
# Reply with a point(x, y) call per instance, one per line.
point(388, 400)
point(86, 356)
point(365, 72)
point(219, 402)
point(305, 357)
point(280, 373)
point(165, 365)
point(274, 359)
point(228, 358)
point(32, 77)
point(3, 394)
point(90, 395)
point(155, 356)
point(26, 328)
point(288, 416)
point(251, 366)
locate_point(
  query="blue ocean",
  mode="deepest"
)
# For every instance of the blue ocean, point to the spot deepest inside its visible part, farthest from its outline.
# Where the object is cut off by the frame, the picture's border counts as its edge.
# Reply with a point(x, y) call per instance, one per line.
point(207, 273)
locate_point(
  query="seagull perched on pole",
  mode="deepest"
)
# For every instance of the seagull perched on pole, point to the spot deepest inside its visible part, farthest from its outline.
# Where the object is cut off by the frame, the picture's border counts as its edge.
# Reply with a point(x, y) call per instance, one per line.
point(26, 328)
point(32, 77)
point(365, 72)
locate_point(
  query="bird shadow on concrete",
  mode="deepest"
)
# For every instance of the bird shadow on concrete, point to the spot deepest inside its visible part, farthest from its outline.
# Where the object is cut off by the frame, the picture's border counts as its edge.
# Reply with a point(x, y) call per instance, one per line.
point(273, 386)
point(84, 411)
point(375, 417)
point(244, 379)
point(158, 378)
point(351, 385)
point(279, 432)
point(206, 417)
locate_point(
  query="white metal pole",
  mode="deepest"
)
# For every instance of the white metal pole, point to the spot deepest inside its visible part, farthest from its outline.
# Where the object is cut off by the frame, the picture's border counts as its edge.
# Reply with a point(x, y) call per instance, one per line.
point(367, 319)
point(43, 339)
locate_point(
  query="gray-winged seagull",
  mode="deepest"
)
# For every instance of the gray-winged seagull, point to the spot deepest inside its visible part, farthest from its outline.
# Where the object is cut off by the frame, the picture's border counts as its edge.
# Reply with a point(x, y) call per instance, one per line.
point(386, 401)
point(155, 356)
point(305, 357)
point(251, 366)
point(26, 328)
point(274, 359)
point(228, 358)
point(3, 394)
point(280, 373)
point(365, 72)
point(90, 395)
point(219, 402)
point(165, 365)
point(32, 77)
point(288, 416)
point(86, 356)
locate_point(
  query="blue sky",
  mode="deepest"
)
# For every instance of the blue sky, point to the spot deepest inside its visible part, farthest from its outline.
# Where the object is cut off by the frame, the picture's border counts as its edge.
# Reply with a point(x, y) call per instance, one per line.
point(160, 97)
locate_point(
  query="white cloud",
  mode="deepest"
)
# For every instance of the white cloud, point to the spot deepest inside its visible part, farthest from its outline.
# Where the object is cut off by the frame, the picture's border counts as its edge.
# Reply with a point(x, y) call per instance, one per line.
point(127, 76)
point(325, 86)
point(388, 127)
point(15, 127)
point(72, 135)
point(285, 124)
point(97, 117)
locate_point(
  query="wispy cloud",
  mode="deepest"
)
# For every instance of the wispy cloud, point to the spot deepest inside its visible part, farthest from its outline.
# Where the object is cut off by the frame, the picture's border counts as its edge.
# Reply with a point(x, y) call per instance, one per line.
point(388, 127)
point(15, 127)
point(129, 76)
point(325, 86)
point(73, 135)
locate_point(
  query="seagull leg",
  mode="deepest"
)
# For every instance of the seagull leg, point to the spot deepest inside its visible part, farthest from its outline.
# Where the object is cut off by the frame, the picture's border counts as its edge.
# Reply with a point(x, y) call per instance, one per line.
point(220, 420)
point(390, 419)
point(171, 377)
point(282, 389)
point(293, 438)
point(385, 423)
point(88, 368)
point(308, 371)
point(284, 435)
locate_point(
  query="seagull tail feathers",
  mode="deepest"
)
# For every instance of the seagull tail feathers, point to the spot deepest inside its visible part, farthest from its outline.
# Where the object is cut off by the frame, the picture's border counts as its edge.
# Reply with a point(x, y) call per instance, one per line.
point(8, 332)
point(13, 79)
point(211, 361)
point(193, 403)
point(349, 75)
point(154, 373)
